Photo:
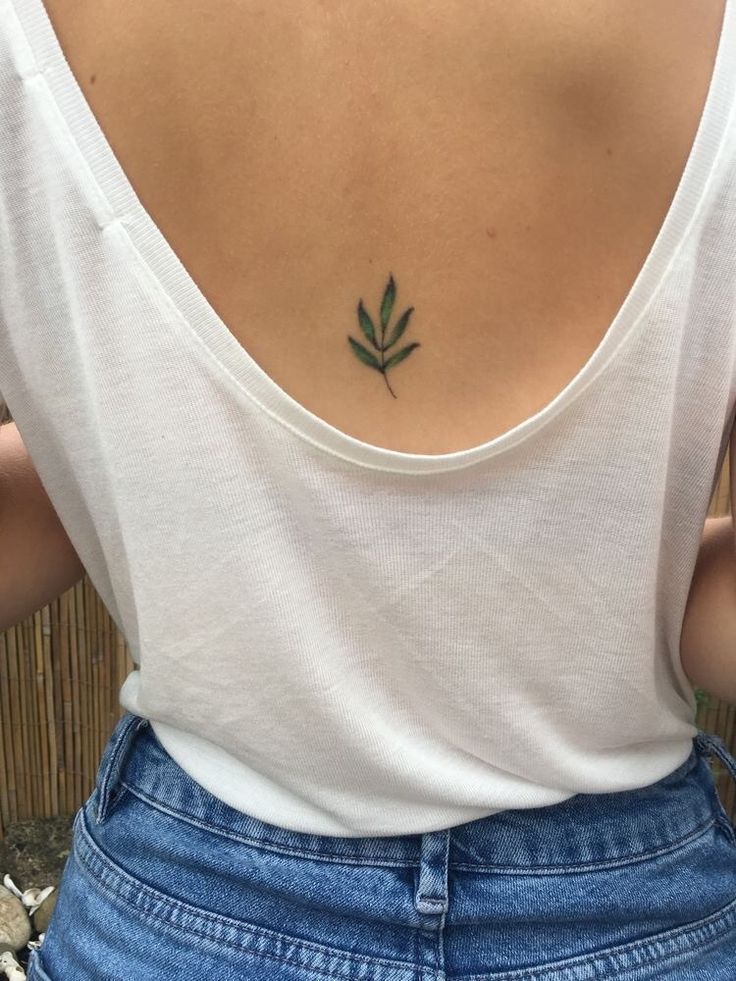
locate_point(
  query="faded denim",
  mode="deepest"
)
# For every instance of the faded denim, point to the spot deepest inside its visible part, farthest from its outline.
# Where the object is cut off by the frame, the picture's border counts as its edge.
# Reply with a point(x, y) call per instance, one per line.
point(167, 883)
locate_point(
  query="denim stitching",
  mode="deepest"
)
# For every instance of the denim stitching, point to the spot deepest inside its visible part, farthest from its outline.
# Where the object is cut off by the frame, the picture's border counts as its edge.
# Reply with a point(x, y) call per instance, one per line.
point(107, 874)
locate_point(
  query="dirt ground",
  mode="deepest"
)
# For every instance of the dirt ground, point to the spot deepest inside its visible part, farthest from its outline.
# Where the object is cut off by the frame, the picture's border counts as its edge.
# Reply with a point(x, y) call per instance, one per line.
point(33, 852)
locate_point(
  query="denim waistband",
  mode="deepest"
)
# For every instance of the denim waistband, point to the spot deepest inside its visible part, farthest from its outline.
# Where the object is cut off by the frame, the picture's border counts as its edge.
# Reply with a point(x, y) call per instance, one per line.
point(608, 827)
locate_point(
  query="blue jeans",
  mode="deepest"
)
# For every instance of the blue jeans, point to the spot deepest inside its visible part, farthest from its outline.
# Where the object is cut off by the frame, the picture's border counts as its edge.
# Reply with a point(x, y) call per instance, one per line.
point(165, 881)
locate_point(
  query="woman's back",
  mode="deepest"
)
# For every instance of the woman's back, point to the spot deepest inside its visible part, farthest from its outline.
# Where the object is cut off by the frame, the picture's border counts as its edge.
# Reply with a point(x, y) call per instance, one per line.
point(407, 699)
point(509, 165)
point(467, 570)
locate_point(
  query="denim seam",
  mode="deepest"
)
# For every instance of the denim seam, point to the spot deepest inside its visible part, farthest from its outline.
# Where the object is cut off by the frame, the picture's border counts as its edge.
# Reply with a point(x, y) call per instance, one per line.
point(721, 816)
point(264, 844)
point(112, 762)
point(561, 970)
point(109, 871)
point(728, 827)
point(35, 967)
point(709, 924)
point(697, 832)
point(612, 863)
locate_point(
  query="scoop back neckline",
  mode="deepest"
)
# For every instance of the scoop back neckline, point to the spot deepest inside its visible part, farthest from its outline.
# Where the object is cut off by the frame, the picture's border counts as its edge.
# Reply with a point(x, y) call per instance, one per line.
point(171, 278)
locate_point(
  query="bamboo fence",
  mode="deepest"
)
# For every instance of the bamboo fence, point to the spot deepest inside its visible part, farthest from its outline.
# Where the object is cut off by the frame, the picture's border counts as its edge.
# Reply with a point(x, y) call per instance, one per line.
point(60, 674)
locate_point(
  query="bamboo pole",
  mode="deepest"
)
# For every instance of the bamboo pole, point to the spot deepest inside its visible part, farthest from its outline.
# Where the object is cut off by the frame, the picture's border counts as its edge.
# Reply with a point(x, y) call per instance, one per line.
point(95, 694)
point(15, 791)
point(58, 708)
point(43, 726)
point(8, 733)
point(29, 671)
point(79, 658)
point(48, 672)
point(76, 698)
point(61, 656)
point(5, 721)
point(86, 663)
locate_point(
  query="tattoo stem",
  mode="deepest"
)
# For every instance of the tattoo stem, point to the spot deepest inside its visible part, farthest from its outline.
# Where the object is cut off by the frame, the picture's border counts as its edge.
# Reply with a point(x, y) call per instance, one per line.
point(383, 360)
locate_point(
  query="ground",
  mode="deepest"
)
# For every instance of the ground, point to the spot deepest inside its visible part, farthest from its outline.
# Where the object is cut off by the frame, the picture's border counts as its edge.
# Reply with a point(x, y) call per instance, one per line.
point(33, 852)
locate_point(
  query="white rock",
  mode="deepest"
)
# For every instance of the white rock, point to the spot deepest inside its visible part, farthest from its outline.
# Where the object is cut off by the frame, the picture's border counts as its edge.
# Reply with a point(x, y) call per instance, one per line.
point(33, 898)
point(9, 884)
point(11, 968)
point(15, 924)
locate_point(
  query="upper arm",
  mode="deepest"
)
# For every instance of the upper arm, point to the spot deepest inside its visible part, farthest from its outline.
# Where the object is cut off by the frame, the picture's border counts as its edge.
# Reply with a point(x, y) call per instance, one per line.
point(732, 470)
point(37, 560)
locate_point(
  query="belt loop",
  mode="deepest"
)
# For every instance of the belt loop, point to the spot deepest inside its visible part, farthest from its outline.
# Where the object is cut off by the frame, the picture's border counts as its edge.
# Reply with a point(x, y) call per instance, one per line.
point(111, 764)
point(711, 744)
point(432, 891)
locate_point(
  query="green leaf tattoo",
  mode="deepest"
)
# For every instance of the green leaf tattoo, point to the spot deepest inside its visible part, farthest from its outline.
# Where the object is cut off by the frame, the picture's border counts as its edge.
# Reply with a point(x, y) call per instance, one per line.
point(387, 303)
point(366, 324)
point(369, 331)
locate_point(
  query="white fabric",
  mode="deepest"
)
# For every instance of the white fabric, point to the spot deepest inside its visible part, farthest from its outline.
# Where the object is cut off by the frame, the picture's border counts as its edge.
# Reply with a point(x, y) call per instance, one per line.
point(331, 636)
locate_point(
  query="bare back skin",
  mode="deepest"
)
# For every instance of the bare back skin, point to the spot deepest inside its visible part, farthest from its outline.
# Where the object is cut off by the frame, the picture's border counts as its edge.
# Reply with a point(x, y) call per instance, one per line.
point(508, 165)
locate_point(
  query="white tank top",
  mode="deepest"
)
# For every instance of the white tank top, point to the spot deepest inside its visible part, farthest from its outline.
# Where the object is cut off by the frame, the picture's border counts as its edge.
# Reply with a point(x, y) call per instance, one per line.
point(332, 636)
